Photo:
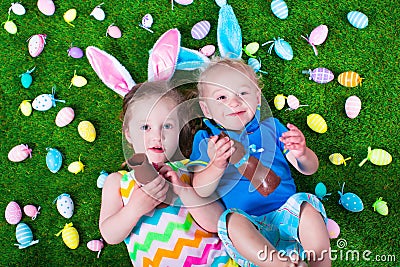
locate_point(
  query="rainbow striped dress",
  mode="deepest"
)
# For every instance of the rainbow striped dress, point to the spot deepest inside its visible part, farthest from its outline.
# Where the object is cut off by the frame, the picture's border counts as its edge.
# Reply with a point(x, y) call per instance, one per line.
point(171, 237)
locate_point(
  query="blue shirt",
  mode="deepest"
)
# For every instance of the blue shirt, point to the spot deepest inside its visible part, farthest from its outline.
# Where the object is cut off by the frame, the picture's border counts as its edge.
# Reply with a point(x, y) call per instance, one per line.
point(235, 190)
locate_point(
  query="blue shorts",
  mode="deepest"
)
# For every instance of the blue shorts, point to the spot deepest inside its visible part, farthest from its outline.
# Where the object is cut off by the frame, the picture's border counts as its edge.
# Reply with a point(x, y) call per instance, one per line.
point(279, 227)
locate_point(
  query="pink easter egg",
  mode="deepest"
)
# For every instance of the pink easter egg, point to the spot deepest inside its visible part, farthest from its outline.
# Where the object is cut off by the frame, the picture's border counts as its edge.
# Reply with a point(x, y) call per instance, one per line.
point(200, 29)
point(13, 213)
point(47, 7)
point(208, 50)
point(95, 245)
point(36, 44)
point(293, 102)
point(318, 35)
point(19, 153)
point(31, 211)
point(65, 116)
point(184, 2)
point(114, 31)
point(352, 106)
point(333, 228)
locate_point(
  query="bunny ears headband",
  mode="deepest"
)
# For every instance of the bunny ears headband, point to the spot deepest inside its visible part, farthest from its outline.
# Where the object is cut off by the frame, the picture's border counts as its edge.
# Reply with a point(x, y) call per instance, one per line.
point(168, 55)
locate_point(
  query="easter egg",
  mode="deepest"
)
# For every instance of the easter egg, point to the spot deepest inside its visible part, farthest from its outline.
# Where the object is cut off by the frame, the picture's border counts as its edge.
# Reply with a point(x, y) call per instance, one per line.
point(320, 190)
point(279, 9)
point(98, 13)
point(78, 81)
point(76, 166)
point(65, 205)
point(87, 131)
point(13, 213)
point(101, 179)
point(200, 29)
point(70, 236)
point(251, 49)
point(53, 159)
point(26, 107)
point(75, 52)
point(320, 75)
point(95, 245)
point(208, 50)
point(281, 48)
point(43, 102)
point(114, 31)
point(65, 116)
point(378, 157)
point(317, 37)
point(47, 7)
point(279, 101)
point(220, 3)
point(184, 2)
point(18, 9)
point(31, 211)
point(255, 65)
point(350, 79)
point(317, 123)
point(381, 207)
point(24, 236)
point(70, 15)
point(147, 21)
point(293, 102)
point(338, 159)
point(36, 44)
point(357, 19)
point(351, 202)
point(19, 153)
point(10, 27)
point(352, 106)
point(333, 228)
point(26, 78)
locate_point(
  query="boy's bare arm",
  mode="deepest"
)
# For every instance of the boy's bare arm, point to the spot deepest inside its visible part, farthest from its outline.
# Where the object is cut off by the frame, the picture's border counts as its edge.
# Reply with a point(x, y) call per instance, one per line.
point(306, 164)
point(206, 179)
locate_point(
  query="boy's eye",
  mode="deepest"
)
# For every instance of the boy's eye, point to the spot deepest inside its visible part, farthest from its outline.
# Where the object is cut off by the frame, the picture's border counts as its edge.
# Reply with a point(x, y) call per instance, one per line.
point(144, 127)
point(168, 126)
point(244, 93)
point(222, 97)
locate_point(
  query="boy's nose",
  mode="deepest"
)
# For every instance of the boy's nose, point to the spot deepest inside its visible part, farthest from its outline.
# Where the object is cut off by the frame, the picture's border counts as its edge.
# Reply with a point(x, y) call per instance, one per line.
point(235, 101)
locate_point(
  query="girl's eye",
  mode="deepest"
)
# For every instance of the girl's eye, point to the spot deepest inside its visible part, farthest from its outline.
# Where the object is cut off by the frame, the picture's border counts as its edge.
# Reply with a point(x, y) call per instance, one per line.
point(221, 97)
point(244, 93)
point(168, 126)
point(144, 127)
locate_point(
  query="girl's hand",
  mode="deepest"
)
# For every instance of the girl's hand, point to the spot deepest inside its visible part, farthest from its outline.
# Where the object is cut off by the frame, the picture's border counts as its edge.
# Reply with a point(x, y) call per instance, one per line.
point(294, 141)
point(170, 175)
point(219, 151)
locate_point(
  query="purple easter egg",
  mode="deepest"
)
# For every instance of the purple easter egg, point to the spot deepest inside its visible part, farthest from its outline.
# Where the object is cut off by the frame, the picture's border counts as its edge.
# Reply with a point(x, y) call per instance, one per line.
point(200, 29)
point(75, 52)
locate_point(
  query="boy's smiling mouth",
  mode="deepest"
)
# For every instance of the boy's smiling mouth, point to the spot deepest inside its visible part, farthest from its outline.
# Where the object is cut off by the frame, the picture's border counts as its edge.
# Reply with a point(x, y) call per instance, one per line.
point(156, 149)
point(238, 113)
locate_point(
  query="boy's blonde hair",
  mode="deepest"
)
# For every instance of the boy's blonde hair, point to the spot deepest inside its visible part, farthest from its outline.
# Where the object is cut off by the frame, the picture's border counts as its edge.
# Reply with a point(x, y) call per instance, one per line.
point(237, 64)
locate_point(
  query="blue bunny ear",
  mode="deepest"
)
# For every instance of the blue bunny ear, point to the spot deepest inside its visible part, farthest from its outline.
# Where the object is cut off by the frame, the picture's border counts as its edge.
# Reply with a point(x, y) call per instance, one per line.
point(189, 59)
point(229, 34)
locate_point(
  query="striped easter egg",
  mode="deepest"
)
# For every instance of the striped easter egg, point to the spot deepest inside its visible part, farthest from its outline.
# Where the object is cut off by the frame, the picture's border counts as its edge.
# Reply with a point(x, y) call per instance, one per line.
point(208, 50)
point(200, 29)
point(87, 131)
point(321, 75)
point(13, 213)
point(379, 157)
point(279, 101)
point(293, 102)
point(350, 79)
point(352, 106)
point(317, 123)
point(184, 2)
point(36, 44)
point(70, 236)
point(24, 236)
point(357, 19)
point(279, 9)
point(283, 49)
point(254, 64)
point(65, 116)
point(338, 159)
point(95, 245)
point(102, 179)
point(19, 153)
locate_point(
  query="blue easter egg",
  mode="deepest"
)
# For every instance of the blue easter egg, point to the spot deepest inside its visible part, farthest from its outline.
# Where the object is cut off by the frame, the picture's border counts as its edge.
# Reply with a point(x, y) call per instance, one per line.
point(53, 159)
point(283, 49)
point(24, 236)
point(43, 102)
point(351, 202)
point(101, 179)
point(26, 80)
point(65, 205)
point(320, 190)
point(357, 19)
point(279, 9)
point(254, 64)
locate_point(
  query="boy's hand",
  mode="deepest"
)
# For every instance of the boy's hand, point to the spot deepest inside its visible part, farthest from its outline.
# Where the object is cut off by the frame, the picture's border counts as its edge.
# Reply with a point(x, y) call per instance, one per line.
point(294, 141)
point(219, 150)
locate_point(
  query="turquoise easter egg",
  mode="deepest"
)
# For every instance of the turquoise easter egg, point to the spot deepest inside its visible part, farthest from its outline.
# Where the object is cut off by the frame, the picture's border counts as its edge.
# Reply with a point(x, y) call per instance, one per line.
point(26, 78)
point(279, 9)
point(351, 202)
point(283, 49)
point(53, 159)
point(320, 190)
point(357, 19)
point(101, 179)
point(24, 236)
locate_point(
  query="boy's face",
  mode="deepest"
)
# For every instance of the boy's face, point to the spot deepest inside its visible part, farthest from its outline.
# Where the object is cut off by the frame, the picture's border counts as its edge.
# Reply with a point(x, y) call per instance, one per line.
point(230, 98)
point(154, 128)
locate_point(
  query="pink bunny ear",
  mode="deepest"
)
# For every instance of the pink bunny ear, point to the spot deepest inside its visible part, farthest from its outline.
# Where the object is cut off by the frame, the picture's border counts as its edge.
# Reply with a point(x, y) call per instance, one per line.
point(164, 56)
point(109, 70)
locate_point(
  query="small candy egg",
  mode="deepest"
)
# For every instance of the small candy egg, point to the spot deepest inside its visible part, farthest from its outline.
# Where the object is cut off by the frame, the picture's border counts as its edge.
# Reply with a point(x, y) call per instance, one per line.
point(293, 102)
point(184, 2)
point(317, 123)
point(70, 15)
point(18, 9)
point(279, 9)
point(76, 166)
point(350, 79)
point(65, 116)
point(47, 7)
point(31, 211)
point(378, 157)
point(281, 48)
point(333, 228)
point(279, 101)
point(24, 236)
point(78, 81)
point(70, 236)
point(200, 29)
point(114, 31)
point(19, 153)
point(338, 159)
point(320, 75)
point(65, 205)
point(208, 50)
point(45, 102)
point(220, 3)
point(317, 37)
point(26, 78)
point(255, 64)
point(101, 179)
point(36, 44)
point(75, 52)
point(26, 107)
point(10, 27)
point(251, 49)
point(53, 159)
point(95, 245)
point(352, 106)
point(98, 13)
point(87, 131)
point(357, 19)
point(320, 190)
point(381, 207)
point(147, 21)
point(350, 201)
point(13, 213)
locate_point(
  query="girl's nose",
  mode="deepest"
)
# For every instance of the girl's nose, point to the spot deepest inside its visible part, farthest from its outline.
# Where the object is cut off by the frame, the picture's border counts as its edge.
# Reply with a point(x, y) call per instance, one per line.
point(235, 101)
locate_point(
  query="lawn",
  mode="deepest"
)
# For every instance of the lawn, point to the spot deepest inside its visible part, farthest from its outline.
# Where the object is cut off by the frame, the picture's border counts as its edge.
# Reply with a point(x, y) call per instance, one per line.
point(372, 52)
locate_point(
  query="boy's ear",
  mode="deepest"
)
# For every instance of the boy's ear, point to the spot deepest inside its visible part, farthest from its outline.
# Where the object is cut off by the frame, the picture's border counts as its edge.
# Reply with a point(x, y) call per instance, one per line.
point(259, 97)
point(204, 108)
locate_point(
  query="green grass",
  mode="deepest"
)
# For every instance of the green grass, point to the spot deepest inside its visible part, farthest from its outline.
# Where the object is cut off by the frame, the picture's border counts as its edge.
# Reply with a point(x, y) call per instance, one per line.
point(372, 52)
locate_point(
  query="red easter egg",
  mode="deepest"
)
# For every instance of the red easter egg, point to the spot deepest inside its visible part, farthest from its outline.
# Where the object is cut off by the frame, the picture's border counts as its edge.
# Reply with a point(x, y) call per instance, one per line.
point(65, 116)
point(352, 106)
point(13, 213)
point(19, 153)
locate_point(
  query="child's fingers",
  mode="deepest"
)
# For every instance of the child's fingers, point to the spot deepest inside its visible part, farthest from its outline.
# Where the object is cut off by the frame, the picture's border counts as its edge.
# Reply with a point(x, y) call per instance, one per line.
point(225, 147)
point(164, 169)
point(295, 139)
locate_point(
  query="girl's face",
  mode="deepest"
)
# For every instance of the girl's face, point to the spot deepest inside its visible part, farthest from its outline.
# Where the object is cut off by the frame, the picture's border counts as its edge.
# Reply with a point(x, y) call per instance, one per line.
point(153, 128)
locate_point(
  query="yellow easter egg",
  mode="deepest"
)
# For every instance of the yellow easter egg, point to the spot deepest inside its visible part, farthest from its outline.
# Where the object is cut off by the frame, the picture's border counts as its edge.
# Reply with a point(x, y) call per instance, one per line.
point(78, 81)
point(76, 167)
point(349, 79)
point(338, 159)
point(87, 131)
point(317, 123)
point(26, 107)
point(70, 15)
point(70, 236)
point(10, 27)
point(279, 101)
point(379, 157)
